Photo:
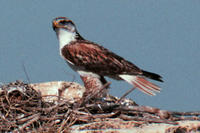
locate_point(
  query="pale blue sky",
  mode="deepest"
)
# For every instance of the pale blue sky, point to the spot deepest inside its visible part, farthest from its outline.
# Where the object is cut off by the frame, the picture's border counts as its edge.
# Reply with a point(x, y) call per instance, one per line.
point(158, 36)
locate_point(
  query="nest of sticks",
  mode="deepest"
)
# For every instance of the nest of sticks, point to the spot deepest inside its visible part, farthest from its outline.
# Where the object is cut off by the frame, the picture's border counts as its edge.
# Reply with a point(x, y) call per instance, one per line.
point(27, 111)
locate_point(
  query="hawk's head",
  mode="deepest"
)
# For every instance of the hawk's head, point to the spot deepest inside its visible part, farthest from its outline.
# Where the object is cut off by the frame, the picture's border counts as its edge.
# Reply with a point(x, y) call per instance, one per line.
point(64, 23)
point(66, 31)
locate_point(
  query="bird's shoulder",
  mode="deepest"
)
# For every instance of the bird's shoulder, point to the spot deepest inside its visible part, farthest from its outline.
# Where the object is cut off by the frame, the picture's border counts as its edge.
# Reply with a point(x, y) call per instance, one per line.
point(85, 45)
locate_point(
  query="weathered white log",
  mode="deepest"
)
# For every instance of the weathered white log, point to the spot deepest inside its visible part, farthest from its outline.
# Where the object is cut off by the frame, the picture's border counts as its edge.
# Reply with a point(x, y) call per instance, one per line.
point(52, 91)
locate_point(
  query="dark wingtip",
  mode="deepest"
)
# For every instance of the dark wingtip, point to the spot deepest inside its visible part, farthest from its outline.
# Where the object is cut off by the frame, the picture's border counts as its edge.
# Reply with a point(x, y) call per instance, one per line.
point(153, 76)
point(160, 79)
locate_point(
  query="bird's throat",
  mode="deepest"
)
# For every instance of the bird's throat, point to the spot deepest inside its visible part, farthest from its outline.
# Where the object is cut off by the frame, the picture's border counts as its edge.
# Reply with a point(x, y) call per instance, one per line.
point(65, 37)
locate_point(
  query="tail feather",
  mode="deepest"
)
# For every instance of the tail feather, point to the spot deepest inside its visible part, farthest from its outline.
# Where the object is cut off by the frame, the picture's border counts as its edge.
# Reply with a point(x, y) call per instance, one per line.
point(148, 84)
point(142, 84)
point(143, 89)
point(151, 75)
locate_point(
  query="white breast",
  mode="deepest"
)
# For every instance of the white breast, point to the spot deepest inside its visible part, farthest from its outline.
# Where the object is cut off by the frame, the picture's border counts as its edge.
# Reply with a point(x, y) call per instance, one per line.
point(65, 37)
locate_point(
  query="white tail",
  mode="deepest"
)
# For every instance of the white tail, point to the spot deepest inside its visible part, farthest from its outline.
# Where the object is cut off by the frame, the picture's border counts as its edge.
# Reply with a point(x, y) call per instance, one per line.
point(142, 84)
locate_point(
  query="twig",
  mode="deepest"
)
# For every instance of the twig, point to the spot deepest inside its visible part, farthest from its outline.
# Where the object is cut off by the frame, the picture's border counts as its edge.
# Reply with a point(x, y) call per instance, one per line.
point(152, 120)
point(27, 76)
point(194, 113)
point(185, 118)
point(106, 115)
point(129, 91)
point(64, 121)
point(103, 107)
point(33, 119)
point(86, 99)
point(23, 120)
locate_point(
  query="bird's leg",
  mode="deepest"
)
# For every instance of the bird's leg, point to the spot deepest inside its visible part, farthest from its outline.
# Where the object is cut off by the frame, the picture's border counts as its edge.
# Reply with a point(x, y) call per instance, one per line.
point(94, 85)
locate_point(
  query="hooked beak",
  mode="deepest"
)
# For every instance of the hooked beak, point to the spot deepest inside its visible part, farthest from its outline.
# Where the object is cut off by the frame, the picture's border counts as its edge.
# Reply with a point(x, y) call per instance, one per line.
point(55, 25)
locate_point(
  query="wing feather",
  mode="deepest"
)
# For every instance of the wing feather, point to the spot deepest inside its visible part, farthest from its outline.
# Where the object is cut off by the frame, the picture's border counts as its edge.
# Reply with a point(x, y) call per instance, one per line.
point(97, 59)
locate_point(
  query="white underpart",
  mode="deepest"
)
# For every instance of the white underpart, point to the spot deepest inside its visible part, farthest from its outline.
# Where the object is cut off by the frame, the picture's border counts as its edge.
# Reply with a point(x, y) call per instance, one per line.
point(65, 37)
point(84, 73)
point(81, 72)
point(128, 78)
point(133, 79)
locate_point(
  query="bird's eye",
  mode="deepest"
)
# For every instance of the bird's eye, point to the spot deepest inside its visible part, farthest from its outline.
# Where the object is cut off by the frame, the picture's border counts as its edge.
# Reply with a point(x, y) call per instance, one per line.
point(63, 22)
point(67, 25)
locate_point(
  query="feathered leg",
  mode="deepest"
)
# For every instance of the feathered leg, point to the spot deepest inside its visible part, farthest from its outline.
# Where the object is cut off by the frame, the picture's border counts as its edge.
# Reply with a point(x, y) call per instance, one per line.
point(95, 85)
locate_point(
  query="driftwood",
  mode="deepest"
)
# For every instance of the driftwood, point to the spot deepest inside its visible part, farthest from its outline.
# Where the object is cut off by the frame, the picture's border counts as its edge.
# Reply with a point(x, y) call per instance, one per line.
point(24, 107)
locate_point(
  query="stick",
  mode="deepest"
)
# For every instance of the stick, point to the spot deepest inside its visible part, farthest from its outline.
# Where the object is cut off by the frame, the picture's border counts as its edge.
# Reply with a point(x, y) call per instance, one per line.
point(129, 91)
point(24, 68)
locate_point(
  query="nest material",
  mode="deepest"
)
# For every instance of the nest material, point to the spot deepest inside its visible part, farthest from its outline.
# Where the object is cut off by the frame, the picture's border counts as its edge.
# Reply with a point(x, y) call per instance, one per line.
point(22, 108)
